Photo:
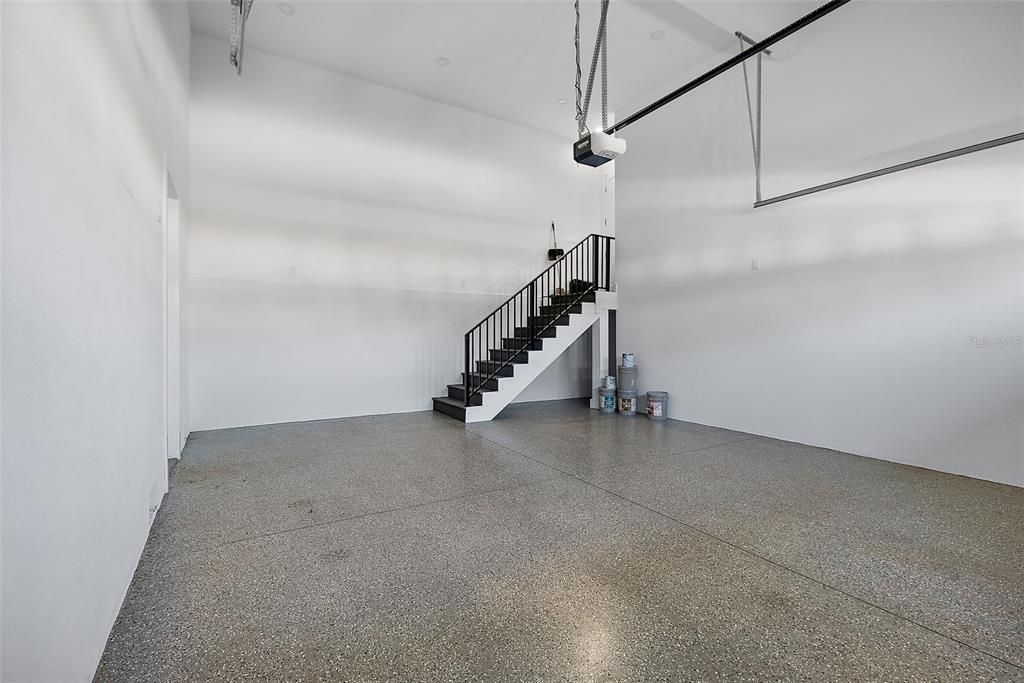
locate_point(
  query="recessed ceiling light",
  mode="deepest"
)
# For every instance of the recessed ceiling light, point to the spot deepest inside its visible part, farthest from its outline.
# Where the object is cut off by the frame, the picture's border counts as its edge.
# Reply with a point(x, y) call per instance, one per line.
point(561, 100)
point(286, 9)
point(442, 61)
point(657, 35)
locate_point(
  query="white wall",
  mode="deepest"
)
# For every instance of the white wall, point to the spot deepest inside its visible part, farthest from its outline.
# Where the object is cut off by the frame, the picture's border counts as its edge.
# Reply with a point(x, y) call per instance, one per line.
point(344, 236)
point(860, 330)
point(94, 96)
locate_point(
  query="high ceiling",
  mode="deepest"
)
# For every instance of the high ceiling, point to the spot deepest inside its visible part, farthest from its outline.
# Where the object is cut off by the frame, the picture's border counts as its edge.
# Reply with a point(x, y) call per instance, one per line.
point(510, 60)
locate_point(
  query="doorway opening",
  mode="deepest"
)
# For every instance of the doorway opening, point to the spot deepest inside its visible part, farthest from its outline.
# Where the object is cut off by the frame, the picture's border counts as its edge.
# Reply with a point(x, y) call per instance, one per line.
point(175, 430)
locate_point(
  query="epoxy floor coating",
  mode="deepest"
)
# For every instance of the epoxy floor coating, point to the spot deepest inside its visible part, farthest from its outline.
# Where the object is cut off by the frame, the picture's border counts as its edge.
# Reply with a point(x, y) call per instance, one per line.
point(560, 544)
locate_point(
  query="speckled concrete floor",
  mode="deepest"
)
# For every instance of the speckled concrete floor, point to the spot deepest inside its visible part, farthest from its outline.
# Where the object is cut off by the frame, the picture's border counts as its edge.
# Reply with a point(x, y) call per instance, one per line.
point(560, 544)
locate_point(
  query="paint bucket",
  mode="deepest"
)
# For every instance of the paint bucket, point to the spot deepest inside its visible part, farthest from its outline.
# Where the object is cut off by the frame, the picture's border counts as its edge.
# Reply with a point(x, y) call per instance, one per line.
point(657, 405)
point(627, 378)
point(627, 402)
point(608, 382)
point(606, 400)
point(629, 360)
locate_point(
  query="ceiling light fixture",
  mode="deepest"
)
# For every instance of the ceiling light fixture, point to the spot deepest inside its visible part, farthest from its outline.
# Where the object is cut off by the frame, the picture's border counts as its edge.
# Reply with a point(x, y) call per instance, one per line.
point(657, 35)
point(442, 61)
point(561, 100)
point(286, 9)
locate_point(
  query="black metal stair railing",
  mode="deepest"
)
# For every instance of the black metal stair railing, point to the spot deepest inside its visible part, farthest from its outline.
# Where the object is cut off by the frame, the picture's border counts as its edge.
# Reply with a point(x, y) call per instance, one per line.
point(506, 336)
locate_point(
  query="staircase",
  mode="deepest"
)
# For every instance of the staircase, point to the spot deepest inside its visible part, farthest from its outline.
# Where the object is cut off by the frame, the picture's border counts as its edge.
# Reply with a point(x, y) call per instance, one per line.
point(513, 345)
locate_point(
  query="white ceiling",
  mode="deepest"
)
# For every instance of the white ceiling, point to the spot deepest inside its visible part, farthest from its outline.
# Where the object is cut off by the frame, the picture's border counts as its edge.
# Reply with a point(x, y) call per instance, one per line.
point(510, 60)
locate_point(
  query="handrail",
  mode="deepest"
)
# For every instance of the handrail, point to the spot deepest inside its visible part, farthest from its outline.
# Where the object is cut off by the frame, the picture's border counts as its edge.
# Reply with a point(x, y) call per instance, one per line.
point(543, 272)
point(584, 269)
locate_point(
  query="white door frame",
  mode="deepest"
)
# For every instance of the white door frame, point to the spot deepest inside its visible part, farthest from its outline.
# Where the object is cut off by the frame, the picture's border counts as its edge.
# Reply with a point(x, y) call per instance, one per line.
point(172, 293)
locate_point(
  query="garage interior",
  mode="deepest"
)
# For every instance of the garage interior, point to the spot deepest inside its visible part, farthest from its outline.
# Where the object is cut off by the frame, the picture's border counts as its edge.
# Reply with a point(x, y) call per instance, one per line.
point(512, 340)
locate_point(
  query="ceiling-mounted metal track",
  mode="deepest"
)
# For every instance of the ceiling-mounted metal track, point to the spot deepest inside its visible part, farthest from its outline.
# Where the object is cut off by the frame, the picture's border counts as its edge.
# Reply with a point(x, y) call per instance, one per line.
point(750, 41)
point(804, 21)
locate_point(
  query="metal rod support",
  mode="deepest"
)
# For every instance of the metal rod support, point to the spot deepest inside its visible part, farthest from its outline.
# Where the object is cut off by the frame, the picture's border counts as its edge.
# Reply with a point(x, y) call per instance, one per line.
point(750, 41)
point(800, 23)
point(1016, 137)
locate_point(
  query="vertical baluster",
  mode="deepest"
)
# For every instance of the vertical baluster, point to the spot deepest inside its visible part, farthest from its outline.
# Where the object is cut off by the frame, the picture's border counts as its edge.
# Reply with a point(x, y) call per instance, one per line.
point(592, 254)
point(521, 307)
point(572, 267)
point(533, 303)
point(608, 263)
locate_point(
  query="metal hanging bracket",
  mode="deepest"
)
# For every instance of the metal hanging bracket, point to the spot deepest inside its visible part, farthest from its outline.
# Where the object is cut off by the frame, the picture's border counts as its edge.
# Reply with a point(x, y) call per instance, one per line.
point(239, 15)
point(750, 41)
point(754, 113)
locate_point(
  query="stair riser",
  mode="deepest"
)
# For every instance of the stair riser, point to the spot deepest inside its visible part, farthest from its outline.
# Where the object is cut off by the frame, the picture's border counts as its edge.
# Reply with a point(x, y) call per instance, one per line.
point(488, 367)
point(542, 320)
point(510, 343)
point(560, 309)
point(491, 384)
point(561, 300)
point(525, 332)
point(512, 355)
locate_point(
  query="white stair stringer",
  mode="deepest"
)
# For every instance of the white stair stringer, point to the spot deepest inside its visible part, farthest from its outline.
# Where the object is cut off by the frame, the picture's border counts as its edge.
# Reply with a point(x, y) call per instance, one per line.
point(493, 402)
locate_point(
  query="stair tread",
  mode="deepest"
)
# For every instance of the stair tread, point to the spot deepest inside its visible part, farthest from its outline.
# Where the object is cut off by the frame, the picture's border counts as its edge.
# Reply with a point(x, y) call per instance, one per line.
point(450, 401)
point(495, 366)
point(481, 375)
point(524, 332)
point(462, 387)
point(589, 297)
point(522, 343)
point(511, 355)
point(561, 309)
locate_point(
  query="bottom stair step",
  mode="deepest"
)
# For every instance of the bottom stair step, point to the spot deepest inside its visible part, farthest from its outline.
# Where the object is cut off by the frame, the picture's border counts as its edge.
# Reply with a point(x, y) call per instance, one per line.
point(450, 407)
point(458, 393)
